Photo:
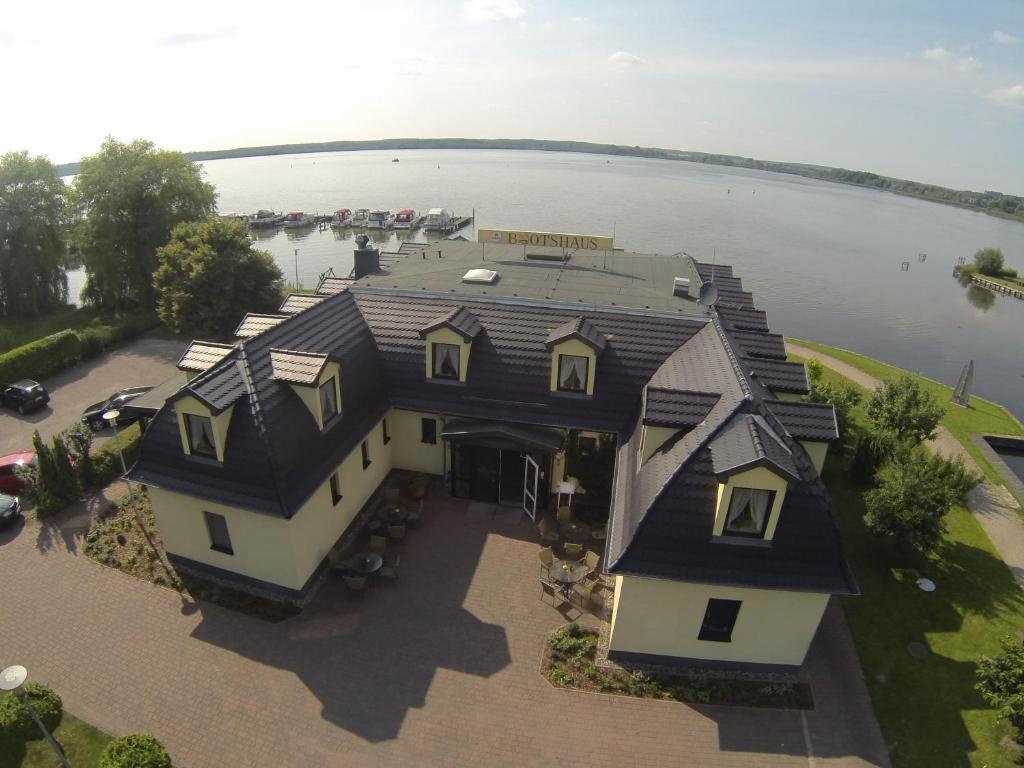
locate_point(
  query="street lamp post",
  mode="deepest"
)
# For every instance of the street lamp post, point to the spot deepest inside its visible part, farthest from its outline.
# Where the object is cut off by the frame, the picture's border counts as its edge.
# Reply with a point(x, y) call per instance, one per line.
point(12, 679)
point(296, 269)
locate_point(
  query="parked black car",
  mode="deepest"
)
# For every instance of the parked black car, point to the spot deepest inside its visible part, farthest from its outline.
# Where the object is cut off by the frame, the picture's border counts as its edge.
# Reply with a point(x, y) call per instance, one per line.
point(93, 415)
point(25, 395)
point(10, 509)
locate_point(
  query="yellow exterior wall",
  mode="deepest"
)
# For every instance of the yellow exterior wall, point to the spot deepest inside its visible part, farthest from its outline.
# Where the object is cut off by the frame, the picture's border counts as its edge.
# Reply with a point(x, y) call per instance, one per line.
point(447, 336)
point(759, 477)
point(664, 617)
point(652, 439)
point(407, 451)
point(817, 453)
point(579, 349)
point(219, 422)
point(310, 395)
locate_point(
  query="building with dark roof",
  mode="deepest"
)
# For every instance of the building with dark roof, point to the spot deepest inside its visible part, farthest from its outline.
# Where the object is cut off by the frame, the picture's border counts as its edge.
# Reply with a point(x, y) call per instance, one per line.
point(483, 364)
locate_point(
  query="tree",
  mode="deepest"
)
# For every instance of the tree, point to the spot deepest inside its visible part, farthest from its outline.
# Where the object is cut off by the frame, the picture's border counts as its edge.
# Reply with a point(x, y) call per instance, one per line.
point(1001, 682)
point(915, 490)
point(989, 261)
point(32, 236)
point(210, 275)
point(54, 483)
point(129, 198)
point(905, 410)
point(840, 395)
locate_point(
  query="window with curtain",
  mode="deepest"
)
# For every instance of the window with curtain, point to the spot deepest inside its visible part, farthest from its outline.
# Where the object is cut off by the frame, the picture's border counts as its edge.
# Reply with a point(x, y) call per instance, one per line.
point(328, 400)
point(749, 509)
point(200, 435)
point(572, 373)
point(446, 361)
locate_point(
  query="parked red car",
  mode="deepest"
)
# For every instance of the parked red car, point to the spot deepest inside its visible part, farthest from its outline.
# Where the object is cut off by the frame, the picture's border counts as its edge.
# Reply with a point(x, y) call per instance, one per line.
point(9, 483)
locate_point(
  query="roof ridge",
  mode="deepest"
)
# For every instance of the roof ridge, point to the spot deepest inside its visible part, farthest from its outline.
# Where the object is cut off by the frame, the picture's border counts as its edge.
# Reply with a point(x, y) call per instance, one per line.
point(731, 354)
point(298, 352)
point(755, 436)
point(256, 409)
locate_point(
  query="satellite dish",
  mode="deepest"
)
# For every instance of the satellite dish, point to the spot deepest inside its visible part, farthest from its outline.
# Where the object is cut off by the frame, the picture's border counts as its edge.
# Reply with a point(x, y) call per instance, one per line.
point(708, 293)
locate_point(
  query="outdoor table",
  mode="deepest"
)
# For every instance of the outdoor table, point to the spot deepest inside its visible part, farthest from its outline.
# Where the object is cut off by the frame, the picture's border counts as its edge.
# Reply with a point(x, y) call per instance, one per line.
point(566, 573)
point(393, 514)
point(366, 563)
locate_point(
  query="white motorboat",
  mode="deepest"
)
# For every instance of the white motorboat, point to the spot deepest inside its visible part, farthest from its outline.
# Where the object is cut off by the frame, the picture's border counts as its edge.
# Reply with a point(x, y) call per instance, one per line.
point(407, 219)
point(380, 220)
point(341, 218)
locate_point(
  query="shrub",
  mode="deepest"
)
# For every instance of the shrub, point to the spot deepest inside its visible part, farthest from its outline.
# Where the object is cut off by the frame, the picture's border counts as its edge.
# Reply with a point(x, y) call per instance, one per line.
point(15, 720)
point(904, 409)
point(558, 677)
point(842, 397)
point(136, 750)
point(41, 358)
point(1001, 682)
point(77, 439)
point(989, 261)
point(107, 462)
point(868, 455)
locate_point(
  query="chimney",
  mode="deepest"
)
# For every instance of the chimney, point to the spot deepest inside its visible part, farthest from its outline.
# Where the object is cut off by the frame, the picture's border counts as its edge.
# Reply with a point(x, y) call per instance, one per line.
point(367, 259)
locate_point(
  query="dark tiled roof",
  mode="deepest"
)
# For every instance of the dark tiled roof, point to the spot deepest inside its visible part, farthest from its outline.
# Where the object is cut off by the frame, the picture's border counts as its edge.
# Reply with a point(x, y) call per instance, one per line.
point(578, 328)
point(332, 285)
point(203, 355)
point(297, 302)
point(508, 376)
point(778, 375)
point(677, 408)
point(747, 442)
point(769, 345)
point(806, 421)
point(254, 324)
point(744, 319)
point(218, 388)
point(460, 320)
point(296, 367)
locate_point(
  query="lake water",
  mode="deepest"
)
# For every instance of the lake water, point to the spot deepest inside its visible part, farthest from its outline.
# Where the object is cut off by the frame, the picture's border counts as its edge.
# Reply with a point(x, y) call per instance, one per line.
point(822, 259)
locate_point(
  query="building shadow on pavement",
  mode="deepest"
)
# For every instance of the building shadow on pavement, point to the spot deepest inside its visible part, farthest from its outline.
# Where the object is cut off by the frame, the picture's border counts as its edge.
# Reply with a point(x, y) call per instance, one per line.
point(371, 657)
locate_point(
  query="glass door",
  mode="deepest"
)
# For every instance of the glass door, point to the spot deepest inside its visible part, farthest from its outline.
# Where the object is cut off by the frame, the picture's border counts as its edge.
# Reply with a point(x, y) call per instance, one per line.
point(531, 476)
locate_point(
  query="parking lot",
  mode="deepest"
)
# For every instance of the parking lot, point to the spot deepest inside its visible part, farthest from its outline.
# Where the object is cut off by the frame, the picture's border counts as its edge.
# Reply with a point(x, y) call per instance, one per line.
point(144, 362)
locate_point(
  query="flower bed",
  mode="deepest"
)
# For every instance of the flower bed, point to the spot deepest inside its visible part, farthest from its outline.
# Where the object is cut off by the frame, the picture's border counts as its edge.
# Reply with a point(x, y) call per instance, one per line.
point(569, 662)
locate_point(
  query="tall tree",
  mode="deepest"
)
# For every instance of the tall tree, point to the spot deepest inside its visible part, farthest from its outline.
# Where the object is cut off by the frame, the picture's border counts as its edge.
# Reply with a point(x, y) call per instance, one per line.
point(989, 261)
point(32, 236)
point(130, 197)
point(210, 275)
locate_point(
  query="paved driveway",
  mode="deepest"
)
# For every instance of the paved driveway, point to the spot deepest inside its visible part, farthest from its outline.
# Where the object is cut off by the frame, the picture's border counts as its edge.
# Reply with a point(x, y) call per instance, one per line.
point(138, 363)
point(441, 669)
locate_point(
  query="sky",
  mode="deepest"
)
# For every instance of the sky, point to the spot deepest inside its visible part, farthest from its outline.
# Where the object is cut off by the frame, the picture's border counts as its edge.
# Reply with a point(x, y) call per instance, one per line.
point(931, 91)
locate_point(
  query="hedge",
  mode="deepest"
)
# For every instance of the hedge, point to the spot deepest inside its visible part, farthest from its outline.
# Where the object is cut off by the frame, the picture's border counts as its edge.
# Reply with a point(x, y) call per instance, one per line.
point(15, 720)
point(106, 461)
point(136, 750)
point(49, 355)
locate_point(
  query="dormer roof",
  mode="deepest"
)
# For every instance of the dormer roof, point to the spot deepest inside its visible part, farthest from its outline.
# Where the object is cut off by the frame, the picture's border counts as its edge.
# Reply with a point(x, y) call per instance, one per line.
point(459, 319)
point(302, 368)
point(254, 324)
point(578, 328)
point(298, 302)
point(806, 421)
point(202, 355)
point(332, 285)
point(747, 442)
point(677, 408)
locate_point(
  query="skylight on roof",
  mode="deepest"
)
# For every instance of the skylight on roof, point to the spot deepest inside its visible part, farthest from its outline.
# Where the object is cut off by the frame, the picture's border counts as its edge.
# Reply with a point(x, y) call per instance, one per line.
point(485, 276)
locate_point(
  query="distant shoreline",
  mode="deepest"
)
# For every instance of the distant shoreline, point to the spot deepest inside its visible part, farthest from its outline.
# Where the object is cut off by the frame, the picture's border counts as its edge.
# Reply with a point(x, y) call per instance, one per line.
point(990, 202)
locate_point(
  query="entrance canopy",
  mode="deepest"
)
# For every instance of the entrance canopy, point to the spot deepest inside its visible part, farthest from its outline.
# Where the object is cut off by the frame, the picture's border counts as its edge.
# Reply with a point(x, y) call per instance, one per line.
point(503, 433)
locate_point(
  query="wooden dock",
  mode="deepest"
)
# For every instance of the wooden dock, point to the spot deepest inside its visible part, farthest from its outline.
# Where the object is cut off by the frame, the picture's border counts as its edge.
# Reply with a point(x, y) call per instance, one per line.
point(1017, 293)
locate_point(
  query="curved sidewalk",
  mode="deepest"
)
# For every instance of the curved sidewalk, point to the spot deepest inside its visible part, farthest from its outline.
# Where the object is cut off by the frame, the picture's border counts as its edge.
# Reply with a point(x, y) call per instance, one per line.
point(992, 505)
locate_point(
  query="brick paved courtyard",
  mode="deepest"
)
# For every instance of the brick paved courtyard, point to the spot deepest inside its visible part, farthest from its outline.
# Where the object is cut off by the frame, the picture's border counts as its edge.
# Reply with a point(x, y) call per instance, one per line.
point(440, 669)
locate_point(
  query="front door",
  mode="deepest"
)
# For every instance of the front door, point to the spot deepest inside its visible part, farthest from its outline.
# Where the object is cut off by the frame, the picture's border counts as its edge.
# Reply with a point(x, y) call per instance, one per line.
point(531, 476)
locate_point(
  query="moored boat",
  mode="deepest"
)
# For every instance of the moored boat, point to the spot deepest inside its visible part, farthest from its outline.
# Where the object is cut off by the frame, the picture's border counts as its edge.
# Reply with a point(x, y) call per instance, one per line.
point(380, 220)
point(360, 217)
point(407, 219)
point(297, 219)
point(341, 218)
point(264, 218)
point(438, 220)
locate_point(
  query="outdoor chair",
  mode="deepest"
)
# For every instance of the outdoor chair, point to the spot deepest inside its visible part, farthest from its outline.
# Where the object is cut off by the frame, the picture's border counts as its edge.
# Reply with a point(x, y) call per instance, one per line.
point(396, 532)
point(564, 515)
point(584, 592)
point(593, 561)
point(572, 551)
point(378, 544)
point(389, 570)
point(355, 583)
point(548, 534)
point(547, 559)
point(549, 589)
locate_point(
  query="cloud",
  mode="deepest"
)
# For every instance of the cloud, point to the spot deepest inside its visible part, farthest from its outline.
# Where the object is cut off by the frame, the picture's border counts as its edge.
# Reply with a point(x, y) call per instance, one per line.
point(949, 60)
point(193, 38)
point(492, 10)
point(1005, 38)
point(625, 59)
point(1012, 96)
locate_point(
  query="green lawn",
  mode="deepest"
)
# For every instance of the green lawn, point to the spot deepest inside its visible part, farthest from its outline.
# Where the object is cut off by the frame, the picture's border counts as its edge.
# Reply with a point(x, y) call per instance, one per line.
point(81, 742)
point(982, 417)
point(929, 711)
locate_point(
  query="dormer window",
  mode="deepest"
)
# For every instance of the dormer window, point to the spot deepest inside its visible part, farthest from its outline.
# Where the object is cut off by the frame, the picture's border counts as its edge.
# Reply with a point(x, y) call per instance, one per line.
point(446, 361)
point(201, 441)
point(329, 399)
point(572, 373)
point(749, 511)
